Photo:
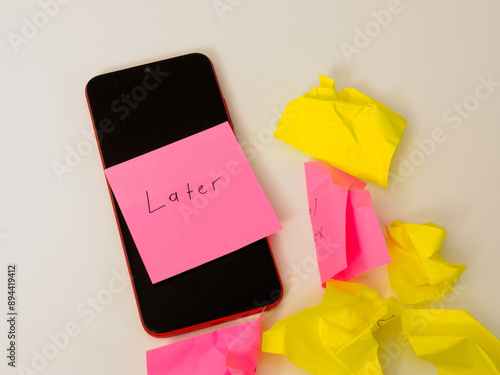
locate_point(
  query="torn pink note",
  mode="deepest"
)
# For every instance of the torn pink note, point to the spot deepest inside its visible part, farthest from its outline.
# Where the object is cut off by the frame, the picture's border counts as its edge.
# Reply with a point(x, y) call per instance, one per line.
point(228, 351)
point(347, 235)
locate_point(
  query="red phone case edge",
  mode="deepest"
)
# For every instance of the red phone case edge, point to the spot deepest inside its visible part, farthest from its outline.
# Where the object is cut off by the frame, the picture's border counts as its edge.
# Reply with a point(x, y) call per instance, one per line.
point(201, 325)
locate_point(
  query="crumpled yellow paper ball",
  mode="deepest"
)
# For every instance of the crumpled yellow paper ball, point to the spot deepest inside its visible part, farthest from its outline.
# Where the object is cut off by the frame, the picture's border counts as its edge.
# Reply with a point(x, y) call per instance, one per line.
point(335, 337)
point(453, 341)
point(417, 272)
point(347, 129)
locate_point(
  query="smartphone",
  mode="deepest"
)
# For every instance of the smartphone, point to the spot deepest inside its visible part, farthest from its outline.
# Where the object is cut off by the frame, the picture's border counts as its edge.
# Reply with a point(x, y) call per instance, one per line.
point(143, 108)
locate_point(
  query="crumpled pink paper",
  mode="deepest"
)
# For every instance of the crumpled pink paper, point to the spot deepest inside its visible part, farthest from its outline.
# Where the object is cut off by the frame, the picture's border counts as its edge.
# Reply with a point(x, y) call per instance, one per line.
point(347, 234)
point(228, 351)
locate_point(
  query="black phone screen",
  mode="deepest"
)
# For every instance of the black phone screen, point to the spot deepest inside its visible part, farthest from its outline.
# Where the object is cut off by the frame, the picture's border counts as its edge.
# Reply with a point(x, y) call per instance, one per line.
point(143, 108)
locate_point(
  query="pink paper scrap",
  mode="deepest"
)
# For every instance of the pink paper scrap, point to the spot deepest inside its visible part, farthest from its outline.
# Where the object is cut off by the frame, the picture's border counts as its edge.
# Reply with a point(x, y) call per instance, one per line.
point(347, 234)
point(229, 351)
point(191, 201)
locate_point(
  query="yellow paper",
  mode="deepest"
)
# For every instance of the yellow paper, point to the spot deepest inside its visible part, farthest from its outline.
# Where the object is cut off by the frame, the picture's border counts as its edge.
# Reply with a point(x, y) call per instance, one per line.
point(417, 272)
point(335, 337)
point(453, 340)
point(347, 129)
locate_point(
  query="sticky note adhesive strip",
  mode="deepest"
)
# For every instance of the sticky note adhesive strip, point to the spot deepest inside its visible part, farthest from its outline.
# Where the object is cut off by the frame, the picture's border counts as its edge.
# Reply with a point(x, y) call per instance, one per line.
point(347, 129)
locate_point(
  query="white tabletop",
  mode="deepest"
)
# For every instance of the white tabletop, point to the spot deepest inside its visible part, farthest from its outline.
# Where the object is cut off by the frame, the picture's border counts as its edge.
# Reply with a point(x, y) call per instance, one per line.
point(429, 61)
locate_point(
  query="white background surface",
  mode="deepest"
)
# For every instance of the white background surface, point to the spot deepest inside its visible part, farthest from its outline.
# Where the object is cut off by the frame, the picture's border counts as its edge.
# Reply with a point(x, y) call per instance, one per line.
point(62, 234)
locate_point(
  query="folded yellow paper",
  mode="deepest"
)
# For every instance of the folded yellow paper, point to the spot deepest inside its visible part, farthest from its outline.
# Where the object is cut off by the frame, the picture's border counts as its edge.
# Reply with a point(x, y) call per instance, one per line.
point(335, 337)
point(347, 129)
point(417, 272)
point(453, 340)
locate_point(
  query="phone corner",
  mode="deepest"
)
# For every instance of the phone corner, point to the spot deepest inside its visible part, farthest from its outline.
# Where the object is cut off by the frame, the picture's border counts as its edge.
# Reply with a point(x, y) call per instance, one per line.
point(201, 55)
point(89, 84)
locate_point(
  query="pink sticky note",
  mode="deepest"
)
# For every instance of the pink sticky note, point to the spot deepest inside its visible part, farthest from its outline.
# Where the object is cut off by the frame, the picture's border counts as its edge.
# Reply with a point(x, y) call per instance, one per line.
point(191, 201)
point(228, 351)
point(347, 235)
